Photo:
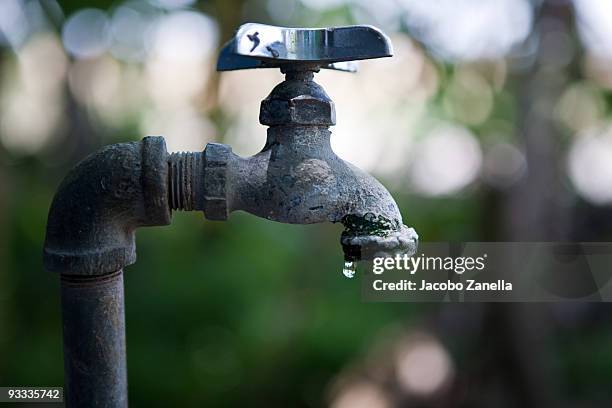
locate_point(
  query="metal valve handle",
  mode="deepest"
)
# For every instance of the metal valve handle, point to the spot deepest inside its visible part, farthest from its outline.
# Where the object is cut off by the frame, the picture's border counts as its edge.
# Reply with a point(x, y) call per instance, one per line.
point(265, 46)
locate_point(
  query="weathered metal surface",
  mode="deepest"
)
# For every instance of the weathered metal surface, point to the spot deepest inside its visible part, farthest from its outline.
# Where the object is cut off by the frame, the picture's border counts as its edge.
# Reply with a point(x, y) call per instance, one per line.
point(90, 229)
point(370, 236)
point(214, 202)
point(298, 101)
point(264, 46)
point(296, 178)
point(183, 168)
point(94, 341)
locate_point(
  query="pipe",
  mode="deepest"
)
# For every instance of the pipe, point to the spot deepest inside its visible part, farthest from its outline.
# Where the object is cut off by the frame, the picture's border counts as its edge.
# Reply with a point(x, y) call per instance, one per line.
point(101, 202)
point(94, 340)
point(90, 239)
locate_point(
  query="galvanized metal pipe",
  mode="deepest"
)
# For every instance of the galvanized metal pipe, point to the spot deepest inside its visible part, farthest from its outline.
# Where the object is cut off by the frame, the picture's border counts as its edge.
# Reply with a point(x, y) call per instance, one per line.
point(94, 340)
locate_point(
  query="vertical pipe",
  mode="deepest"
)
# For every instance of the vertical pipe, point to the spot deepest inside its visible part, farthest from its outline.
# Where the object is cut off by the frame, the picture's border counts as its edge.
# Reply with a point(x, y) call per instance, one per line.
point(94, 340)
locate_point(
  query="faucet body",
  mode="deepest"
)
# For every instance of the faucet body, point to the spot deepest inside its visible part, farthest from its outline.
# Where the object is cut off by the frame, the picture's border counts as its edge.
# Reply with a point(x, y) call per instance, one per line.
point(296, 178)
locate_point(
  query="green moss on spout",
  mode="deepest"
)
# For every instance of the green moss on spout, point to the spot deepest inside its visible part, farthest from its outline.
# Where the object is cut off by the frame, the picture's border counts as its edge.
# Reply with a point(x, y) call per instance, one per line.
point(368, 224)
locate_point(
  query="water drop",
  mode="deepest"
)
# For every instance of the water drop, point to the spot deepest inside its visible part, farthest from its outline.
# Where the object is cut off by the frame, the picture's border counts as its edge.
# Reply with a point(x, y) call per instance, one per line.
point(349, 269)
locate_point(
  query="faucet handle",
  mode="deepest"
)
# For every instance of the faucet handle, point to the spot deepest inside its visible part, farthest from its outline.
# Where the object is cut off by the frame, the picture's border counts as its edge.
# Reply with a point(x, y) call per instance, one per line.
point(265, 46)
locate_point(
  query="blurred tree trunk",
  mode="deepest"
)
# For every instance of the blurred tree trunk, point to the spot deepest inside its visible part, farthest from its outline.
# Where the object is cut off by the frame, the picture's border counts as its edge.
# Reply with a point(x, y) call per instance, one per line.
point(228, 14)
point(534, 209)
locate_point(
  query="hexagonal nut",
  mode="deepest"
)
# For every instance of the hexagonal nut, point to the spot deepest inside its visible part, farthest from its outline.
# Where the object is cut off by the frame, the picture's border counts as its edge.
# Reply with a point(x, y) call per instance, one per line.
point(301, 110)
point(216, 157)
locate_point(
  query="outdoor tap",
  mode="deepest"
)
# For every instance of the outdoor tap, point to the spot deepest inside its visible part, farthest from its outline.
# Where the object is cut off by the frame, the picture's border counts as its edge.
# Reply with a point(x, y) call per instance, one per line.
point(296, 178)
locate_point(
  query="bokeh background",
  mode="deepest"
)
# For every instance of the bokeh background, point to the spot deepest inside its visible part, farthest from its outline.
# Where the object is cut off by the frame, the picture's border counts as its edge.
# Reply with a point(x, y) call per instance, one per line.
point(492, 122)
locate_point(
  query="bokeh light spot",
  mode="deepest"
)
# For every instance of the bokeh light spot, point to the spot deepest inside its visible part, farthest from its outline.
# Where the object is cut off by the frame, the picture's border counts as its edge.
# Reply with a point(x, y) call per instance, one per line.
point(590, 165)
point(445, 161)
point(469, 30)
point(86, 33)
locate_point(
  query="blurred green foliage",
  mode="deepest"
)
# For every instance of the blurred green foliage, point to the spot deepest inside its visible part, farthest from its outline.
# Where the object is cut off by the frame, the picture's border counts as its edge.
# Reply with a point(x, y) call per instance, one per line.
point(248, 312)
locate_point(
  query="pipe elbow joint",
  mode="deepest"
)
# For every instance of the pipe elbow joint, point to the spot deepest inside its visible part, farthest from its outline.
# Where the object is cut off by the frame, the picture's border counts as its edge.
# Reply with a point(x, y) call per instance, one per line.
point(100, 203)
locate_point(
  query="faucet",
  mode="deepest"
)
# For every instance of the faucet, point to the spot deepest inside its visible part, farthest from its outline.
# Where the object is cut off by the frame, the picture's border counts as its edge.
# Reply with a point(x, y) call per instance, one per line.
point(296, 178)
